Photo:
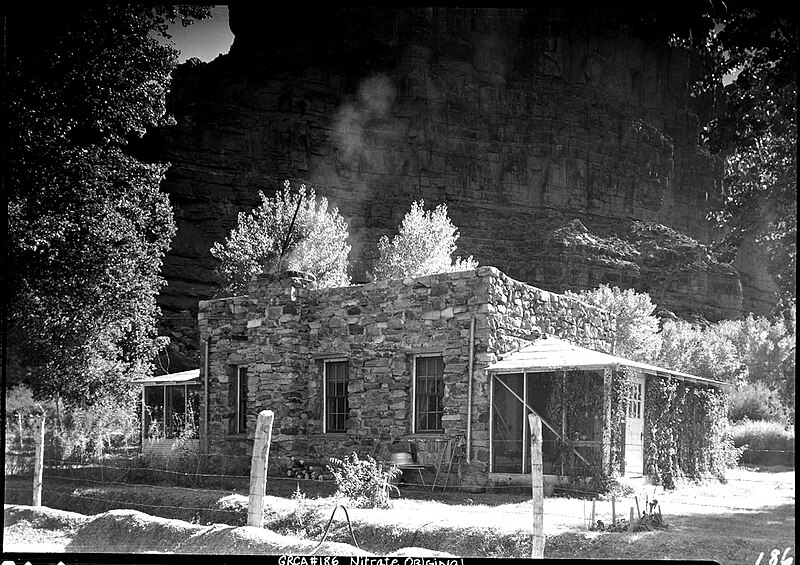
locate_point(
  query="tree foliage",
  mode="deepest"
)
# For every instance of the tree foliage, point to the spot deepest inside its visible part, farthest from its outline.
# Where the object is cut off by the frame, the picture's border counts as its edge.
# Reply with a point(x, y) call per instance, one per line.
point(753, 349)
point(703, 351)
point(317, 241)
point(424, 246)
point(756, 354)
point(88, 226)
point(637, 328)
point(755, 401)
point(755, 128)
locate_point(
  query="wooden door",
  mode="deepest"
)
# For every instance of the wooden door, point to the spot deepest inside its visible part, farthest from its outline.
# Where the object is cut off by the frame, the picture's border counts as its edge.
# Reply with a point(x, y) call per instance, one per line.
point(634, 428)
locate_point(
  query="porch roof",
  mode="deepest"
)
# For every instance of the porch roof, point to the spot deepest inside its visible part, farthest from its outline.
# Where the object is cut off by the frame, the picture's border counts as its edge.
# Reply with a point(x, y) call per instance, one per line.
point(184, 377)
point(551, 353)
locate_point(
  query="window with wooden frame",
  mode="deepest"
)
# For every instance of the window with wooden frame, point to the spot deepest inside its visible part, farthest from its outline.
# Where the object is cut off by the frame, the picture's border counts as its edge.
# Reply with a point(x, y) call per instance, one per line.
point(239, 400)
point(428, 394)
point(337, 407)
point(635, 398)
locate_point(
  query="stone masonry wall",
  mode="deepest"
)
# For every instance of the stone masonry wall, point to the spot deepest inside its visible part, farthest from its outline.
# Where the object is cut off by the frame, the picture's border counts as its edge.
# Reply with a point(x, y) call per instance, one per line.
point(380, 328)
point(223, 324)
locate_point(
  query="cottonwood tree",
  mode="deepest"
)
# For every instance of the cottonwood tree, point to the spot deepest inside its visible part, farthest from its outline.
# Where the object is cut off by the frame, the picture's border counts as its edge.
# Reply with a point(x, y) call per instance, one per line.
point(287, 231)
point(87, 224)
point(637, 328)
point(754, 353)
point(754, 128)
point(424, 245)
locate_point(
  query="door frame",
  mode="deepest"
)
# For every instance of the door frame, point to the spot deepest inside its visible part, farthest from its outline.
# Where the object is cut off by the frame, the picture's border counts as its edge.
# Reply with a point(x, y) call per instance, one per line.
point(634, 411)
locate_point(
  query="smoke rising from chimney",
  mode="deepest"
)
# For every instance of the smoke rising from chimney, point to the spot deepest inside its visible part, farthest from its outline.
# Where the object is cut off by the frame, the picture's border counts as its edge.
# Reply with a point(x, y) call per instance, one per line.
point(375, 100)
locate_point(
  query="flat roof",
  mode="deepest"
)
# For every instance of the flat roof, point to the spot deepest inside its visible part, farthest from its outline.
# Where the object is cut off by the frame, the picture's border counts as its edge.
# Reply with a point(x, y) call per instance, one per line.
point(184, 377)
point(551, 353)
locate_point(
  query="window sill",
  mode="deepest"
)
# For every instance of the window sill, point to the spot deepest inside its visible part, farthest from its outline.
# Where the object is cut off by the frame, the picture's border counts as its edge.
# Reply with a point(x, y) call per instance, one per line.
point(437, 436)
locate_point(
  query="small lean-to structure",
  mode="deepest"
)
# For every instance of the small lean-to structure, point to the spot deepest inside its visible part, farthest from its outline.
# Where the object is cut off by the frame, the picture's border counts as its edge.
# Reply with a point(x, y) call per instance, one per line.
point(170, 413)
point(583, 397)
point(445, 367)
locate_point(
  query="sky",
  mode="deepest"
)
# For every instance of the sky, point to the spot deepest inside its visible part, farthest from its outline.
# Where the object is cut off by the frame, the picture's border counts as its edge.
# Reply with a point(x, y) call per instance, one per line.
point(206, 39)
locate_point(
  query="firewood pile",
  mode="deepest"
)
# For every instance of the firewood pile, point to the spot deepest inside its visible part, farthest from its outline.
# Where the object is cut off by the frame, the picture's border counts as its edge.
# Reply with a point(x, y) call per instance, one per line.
point(302, 469)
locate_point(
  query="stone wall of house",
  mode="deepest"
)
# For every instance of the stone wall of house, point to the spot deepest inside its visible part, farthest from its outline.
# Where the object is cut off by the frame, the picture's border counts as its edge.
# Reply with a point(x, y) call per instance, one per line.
point(278, 356)
point(223, 325)
point(379, 328)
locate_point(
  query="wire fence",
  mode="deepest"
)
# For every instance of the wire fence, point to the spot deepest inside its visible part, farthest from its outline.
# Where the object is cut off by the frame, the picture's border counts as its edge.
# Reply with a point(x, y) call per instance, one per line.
point(98, 482)
point(577, 515)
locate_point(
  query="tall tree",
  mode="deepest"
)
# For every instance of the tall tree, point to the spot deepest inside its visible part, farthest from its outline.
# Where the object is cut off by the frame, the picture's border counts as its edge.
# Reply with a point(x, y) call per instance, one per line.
point(88, 226)
point(287, 231)
point(637, 336)
point(753, 47)
point(424, 246)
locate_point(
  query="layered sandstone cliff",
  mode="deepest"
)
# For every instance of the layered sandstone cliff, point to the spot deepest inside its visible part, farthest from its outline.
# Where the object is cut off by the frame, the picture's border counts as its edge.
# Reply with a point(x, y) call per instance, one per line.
point(565, 144)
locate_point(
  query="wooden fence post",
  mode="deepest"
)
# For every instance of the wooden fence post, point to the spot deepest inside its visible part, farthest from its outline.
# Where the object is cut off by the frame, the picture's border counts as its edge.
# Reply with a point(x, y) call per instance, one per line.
point(537, 485)
point(614, 511)
point(38, 468)
point(258, 468)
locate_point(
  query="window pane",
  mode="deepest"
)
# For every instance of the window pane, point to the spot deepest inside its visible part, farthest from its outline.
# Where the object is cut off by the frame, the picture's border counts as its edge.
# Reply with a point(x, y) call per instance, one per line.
point(177, 410)
point(242, 397)
point(154, 411)
point(336, 403)
point(507, 424)
point(194, 408)
point(429, 387)
point(539, 386)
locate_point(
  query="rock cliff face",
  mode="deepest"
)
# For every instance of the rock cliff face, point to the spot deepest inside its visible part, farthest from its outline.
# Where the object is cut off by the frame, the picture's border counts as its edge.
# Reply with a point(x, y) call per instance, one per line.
point(565, 144)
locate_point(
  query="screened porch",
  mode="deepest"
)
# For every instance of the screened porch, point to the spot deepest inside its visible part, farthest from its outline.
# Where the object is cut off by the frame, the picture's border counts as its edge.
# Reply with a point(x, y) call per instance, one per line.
point(170, 410)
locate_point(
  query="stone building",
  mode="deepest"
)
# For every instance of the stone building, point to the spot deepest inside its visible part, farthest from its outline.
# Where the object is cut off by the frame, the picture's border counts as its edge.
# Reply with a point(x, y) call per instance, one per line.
point(445, 367)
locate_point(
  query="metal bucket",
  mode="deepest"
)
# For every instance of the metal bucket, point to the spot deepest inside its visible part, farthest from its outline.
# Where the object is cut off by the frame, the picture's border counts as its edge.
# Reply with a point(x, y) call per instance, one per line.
point(401, 458)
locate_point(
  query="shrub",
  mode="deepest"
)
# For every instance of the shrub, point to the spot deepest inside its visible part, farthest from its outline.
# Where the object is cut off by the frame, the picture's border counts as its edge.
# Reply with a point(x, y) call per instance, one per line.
point(364, 482)
point(302, 514)
point(87, 433)
point(766, 443)
point(755, 401)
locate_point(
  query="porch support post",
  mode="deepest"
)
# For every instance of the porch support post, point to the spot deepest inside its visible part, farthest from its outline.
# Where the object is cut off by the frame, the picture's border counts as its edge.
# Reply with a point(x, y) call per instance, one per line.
point(204, 430)
point(607, 388)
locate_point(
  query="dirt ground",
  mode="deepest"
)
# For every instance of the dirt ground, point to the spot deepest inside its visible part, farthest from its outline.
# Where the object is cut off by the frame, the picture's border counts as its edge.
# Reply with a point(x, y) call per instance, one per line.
point(734, 522)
